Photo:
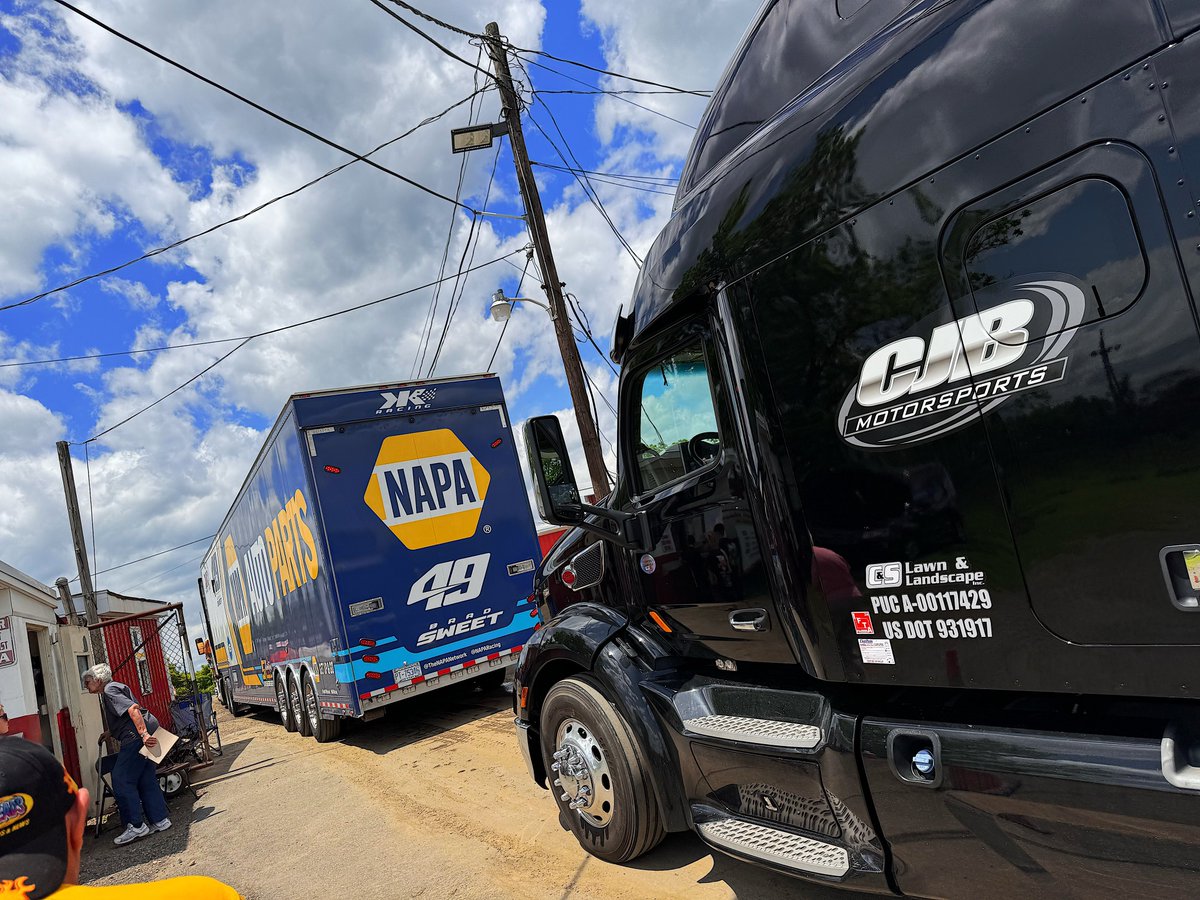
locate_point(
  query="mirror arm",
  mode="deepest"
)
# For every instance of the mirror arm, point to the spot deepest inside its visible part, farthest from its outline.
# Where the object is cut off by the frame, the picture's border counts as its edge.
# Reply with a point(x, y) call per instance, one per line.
point(630, 530)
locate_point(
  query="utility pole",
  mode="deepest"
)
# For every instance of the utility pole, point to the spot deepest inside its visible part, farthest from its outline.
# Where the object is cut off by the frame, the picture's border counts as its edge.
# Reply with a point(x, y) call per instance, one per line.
point(81, 560)
point(541, 244)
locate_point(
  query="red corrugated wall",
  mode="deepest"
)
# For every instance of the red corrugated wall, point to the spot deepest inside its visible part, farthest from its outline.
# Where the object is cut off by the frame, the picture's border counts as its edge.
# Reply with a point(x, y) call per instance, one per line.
point(119, 644)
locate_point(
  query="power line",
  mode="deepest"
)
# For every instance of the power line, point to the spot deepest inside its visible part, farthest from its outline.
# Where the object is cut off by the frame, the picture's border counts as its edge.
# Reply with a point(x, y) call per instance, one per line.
point(588, 190)
point(628, 185)
point(613, 92)
point(411, 27)
point(243, 337)
point(258, 106)
point(659, 180)
point(472, 34)
point(170, 393)
point(534, 62)
point(462, 287)
point(151, 556)
point(190, 562)
point(241, 216)
point(431, 312)
point(247, 339)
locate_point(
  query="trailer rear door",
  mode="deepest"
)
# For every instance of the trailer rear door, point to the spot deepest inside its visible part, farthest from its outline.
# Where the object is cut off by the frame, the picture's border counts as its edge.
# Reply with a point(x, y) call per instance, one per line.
point(431, 540)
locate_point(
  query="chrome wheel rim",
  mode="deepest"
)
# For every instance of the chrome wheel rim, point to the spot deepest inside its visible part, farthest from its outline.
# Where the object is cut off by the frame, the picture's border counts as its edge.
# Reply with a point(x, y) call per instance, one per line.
point(296, 711)
point(281, 700)
point(582, 774)
point(310, 695)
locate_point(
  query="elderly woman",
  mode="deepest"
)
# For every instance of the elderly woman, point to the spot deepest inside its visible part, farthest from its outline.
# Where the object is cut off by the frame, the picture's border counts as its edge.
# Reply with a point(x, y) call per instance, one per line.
point(135, 782)
point(3, 721)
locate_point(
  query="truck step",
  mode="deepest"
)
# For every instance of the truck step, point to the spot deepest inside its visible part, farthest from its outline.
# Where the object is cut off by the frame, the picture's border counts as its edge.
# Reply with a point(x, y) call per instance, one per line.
point(779, 847)
point(767, 732)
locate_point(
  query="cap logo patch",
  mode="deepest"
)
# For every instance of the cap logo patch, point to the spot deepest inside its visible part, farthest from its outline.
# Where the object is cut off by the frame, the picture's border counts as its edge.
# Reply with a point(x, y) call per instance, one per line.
point(13, 810)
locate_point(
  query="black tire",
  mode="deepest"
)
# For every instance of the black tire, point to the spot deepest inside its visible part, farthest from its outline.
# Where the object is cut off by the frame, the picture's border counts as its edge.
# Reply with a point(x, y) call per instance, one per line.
point(235, 709)
point(324, 730)
point(283, 703)
point(298, 714)
point(577, 715)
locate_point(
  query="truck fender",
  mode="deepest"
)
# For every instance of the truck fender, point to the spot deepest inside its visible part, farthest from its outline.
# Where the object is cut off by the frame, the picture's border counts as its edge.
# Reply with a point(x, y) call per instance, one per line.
point(580, 641)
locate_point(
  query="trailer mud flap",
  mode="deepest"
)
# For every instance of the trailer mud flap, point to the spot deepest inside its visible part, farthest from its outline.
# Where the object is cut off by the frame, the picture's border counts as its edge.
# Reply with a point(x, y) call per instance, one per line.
point(1025, 811)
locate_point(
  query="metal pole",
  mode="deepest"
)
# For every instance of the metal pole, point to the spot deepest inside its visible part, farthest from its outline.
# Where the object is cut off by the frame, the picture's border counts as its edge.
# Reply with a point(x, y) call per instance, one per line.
point(64, 594)
point(553, 287)
point(81, 560)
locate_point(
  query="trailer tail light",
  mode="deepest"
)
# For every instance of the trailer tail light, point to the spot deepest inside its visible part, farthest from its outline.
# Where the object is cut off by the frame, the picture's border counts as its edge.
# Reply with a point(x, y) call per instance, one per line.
point(374, 676)
point(333, 470)
point(366, 642)
point(370, 659)
point(497, 442)
point(660, 621)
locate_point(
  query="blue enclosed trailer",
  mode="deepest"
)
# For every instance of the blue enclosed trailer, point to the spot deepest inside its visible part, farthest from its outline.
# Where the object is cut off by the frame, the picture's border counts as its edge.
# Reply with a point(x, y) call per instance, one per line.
point(381, 546)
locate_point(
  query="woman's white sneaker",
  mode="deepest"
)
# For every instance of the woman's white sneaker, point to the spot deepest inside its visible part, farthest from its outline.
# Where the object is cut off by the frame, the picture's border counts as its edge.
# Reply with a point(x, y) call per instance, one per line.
point(131, 834)
point(161, 826)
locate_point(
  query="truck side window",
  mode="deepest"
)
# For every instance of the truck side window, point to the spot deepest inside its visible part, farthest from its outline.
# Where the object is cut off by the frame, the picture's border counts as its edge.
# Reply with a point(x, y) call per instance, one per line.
point(677, 425)
point(1084, 229)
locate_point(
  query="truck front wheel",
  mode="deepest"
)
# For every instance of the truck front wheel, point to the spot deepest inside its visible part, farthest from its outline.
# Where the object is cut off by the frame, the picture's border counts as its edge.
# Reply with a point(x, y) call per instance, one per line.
point(601, 781)
point(324, 730)
point(283, 702)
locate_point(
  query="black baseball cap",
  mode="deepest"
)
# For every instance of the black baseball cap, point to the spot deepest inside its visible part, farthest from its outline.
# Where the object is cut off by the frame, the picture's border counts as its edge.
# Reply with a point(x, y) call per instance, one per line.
point(35, 794)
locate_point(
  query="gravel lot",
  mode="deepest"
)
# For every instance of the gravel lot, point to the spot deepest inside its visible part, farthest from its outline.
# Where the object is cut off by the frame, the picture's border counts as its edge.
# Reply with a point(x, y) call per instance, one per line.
point(430, 801)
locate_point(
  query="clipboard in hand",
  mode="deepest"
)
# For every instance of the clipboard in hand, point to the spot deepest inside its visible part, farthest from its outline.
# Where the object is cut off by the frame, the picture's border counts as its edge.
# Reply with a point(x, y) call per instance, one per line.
point(158, 752)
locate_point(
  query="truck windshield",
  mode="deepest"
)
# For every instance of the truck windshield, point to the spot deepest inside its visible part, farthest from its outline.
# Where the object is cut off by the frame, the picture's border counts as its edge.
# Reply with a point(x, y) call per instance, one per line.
point(677, 430)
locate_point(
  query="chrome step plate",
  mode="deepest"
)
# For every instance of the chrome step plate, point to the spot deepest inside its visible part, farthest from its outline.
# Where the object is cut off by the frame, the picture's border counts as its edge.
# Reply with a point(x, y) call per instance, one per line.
point(779, 847)
point(756, 731)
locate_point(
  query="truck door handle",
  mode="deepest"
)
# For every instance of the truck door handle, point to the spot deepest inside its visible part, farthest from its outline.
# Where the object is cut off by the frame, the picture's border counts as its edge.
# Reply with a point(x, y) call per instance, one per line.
point(749, 620)
point(1181, 758)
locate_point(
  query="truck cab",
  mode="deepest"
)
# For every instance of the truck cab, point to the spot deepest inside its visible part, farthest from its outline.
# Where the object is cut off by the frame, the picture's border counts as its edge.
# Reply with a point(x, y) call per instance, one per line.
point(899, 587)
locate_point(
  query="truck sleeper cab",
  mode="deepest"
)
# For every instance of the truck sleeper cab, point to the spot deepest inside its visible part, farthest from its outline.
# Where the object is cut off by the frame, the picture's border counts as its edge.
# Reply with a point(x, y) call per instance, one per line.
point(899, 587)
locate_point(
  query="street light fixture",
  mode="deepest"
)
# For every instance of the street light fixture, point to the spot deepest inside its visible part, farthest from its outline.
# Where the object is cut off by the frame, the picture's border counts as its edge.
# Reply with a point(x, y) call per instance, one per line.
point(501, 307)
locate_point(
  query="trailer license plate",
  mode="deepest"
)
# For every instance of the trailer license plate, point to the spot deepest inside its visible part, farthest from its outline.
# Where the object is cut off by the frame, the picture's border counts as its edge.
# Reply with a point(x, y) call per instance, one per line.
point(406, 672)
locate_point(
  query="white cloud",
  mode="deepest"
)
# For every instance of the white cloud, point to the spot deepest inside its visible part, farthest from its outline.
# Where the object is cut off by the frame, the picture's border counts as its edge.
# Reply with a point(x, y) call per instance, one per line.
point(77, 166)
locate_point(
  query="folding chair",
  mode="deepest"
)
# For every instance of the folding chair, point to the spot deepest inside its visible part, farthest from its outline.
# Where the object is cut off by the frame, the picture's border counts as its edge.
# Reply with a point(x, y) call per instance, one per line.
point(104, 767)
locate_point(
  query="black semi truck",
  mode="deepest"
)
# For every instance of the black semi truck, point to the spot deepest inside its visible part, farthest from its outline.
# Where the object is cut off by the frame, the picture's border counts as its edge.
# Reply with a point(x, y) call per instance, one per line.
point(899, 587)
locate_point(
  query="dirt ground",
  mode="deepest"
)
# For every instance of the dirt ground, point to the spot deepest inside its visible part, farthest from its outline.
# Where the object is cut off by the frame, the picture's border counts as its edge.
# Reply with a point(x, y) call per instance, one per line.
point(431, 801)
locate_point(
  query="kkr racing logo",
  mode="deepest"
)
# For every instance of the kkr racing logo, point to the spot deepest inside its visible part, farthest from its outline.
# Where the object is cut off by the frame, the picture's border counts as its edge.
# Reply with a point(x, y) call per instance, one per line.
point(918, 388)
point(427, 488)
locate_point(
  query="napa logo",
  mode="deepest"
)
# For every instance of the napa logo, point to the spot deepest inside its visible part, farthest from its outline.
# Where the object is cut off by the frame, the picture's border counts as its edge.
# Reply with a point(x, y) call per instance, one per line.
point(427, 488)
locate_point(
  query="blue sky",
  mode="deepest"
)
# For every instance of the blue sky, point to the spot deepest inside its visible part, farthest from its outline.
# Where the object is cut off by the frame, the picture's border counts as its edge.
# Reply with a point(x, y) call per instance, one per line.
point(106, 153)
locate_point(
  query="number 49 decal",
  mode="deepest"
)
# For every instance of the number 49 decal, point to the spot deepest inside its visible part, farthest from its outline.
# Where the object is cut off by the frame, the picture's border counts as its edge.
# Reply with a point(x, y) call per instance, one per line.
point(453, 582)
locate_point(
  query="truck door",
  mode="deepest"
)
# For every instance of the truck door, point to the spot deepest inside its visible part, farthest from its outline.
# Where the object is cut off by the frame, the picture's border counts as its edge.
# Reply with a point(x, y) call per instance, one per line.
point(705, 578)
point(1097, 465)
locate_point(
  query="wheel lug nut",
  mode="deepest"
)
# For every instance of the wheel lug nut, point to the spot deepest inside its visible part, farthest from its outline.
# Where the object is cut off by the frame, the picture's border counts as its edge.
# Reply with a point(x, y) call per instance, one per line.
point(555, 767)
point(565, 797)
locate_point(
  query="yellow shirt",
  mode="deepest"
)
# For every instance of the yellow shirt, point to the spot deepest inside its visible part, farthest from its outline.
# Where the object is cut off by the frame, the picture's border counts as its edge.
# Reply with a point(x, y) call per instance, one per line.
point(190, 887)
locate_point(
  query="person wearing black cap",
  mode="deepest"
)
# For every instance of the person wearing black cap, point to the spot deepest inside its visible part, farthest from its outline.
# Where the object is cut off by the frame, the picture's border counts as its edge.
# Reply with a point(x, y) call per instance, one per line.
point(42, 818)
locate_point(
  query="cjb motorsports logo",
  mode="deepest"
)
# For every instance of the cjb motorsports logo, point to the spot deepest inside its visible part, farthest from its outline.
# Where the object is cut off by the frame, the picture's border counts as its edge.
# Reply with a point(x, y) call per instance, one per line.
point(929, 383)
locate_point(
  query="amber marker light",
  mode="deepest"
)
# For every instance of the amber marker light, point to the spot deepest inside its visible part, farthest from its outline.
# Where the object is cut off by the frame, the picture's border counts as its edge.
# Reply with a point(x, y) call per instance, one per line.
point(524, 697)
point(660, 621)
